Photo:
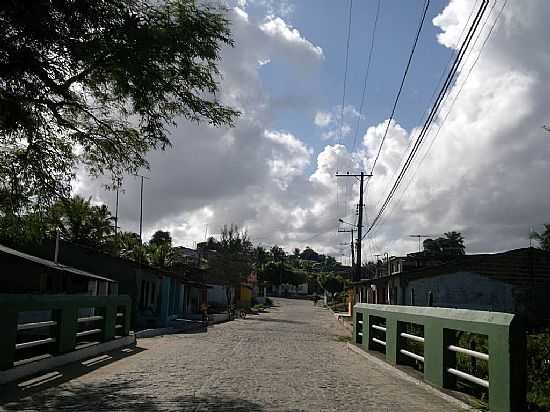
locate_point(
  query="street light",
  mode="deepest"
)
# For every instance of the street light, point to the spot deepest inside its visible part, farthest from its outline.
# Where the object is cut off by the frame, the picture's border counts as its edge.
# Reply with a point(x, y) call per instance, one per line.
point(347, 223)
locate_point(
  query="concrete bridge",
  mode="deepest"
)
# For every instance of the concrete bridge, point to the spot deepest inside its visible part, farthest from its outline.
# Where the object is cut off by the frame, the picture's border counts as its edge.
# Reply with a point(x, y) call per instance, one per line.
point(292, 358)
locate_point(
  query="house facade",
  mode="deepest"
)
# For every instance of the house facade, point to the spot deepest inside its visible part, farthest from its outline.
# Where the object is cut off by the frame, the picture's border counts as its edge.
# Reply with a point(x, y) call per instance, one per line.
point(157, 295)
point(516, 281)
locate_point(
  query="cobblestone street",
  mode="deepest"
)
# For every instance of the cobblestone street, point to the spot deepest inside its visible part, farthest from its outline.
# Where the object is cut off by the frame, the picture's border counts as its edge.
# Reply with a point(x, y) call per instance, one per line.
point(289, 359)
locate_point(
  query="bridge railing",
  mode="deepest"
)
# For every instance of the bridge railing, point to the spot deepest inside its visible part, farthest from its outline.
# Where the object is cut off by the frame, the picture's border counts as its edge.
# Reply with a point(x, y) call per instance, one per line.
point(33, 326)
point(385, 328)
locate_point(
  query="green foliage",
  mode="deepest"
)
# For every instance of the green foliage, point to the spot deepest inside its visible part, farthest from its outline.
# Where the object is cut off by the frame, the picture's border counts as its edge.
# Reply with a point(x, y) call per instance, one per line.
point(160, 255)
point(160, 238)
point(261, 257)
point(452, 244)
point(128, 246)
point(543, 238)
point(538, 371)
point(232, 258)
point(22, 230)
point(78, 221)
point(309, 254)
point(97, 83)
point(330, 282)
point(277, 253)
point(279, 273)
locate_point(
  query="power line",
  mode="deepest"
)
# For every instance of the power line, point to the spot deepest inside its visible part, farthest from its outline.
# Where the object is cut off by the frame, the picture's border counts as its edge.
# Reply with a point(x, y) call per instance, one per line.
point(343, 100)
point(463, 48)
point(436, 88)
point(345, 73)
point(427, 4)
point(451, 105)
point(367, 70)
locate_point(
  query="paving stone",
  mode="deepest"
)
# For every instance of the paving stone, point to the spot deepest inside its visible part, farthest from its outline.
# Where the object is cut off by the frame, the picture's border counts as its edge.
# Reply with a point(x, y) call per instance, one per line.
point(288, 359)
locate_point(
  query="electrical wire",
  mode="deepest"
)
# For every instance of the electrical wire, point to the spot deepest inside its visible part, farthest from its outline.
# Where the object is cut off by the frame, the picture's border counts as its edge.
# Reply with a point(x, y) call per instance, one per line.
point(451, 105)
point(411, 54)
point(367, 71)
point(435, 109)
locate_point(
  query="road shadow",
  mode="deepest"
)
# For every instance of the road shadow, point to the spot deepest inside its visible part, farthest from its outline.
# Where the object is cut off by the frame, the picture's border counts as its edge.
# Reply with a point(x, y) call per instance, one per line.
point(126, 396)
point(15, 392)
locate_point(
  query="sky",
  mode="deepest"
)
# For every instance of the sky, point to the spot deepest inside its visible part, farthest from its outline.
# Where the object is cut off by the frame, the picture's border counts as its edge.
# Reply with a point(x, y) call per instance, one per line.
point(482, 170)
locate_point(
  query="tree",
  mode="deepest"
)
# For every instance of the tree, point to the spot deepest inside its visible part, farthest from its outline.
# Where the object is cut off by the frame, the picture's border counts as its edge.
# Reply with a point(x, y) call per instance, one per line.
point(78, 221)
point(98, 83)
point(278, 253)
point(452, 244)
point(309, 254)
point(261, 256)
point(129, 247)
point(161, 238)
point(543, 238)
point(232, 260)
point(160, 255)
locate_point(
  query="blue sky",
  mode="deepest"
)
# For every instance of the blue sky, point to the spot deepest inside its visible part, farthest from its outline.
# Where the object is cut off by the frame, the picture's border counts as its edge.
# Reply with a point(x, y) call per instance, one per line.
point(324, 23)
point(273, 173)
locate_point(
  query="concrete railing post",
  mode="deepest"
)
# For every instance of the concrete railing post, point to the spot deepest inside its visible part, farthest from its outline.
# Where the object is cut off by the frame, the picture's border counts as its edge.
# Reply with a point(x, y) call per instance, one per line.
point(506, 355)
point(127, 319)
point(507, 369)
point(449, 358)
point(392, 346)
point(8, 323)
point(67, 326)
point(434, 368)
point(109, 322)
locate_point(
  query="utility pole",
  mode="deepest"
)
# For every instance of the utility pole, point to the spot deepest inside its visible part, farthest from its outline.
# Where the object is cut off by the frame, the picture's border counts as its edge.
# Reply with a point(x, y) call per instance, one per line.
point(116, 207)
point(141, 209)
point(361, 176)
point(351, 244)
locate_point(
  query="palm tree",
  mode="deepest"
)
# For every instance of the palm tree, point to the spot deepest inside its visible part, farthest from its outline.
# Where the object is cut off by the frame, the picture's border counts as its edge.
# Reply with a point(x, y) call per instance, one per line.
point(454, 243)
point(129, 247)
point(160, 255)
point(77, 220)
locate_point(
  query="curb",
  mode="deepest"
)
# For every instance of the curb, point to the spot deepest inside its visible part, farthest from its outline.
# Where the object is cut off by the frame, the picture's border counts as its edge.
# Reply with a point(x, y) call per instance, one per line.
point(347, 326)
point(457, 402)
point(45, 365)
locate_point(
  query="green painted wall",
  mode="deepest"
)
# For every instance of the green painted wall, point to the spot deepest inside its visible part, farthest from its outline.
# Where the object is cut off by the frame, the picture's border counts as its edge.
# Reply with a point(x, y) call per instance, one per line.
point(65, 311)
point(505, 332)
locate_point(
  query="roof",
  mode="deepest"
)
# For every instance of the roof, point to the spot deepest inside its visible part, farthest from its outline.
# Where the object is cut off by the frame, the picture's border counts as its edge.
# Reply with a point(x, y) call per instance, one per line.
point(515, 266)
point(52, 265)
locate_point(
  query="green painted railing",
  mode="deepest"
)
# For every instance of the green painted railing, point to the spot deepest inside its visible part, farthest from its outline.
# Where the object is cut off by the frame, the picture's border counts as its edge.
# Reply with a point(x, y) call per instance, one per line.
point(59, 334)
point(505, 337)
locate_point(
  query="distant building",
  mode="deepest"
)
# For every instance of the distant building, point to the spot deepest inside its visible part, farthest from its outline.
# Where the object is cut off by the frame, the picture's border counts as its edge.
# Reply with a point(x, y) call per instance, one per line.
point(516, 281)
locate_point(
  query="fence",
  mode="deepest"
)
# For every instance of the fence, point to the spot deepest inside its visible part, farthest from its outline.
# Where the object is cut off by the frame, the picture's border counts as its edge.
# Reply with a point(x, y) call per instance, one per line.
point(384, 327)
point(55, 324)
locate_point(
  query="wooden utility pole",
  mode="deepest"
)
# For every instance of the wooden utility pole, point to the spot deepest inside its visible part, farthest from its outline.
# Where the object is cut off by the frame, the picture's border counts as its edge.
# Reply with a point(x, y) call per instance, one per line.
point(351, 244)
point(361, 176)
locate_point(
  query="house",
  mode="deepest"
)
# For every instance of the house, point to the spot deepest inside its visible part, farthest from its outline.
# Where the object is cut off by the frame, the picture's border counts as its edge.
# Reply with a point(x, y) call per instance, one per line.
point(157, 295)
point(25, 273)
point(187, 255)
point(516, 281)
